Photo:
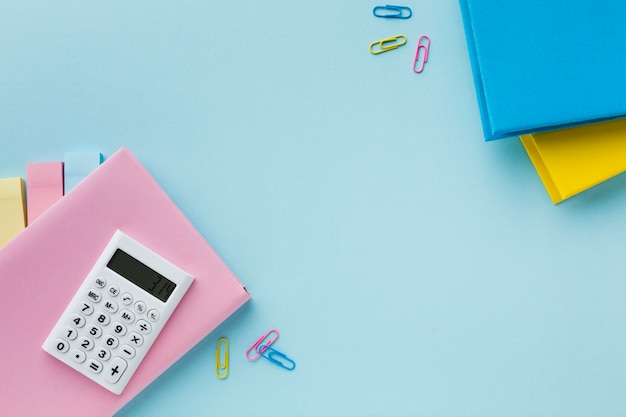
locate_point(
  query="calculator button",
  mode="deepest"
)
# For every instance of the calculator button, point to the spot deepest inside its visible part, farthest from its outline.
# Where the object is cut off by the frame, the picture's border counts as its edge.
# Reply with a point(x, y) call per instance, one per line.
point(119, 329)
point(86, 308)
point(62, 346)
point(114, 290)
point(144, 327)
point(111, 341)
point(127, 316)
point(95, 331)
point(110, 306)
point(78, 355)
point(103, 353)
point(103, 318)
point(127, 351)
point(78, 320)
point(86, 343)
point(95, 366)
point(153, 315)
point(100, 282)
point(127, 298)
point(140, 307)
point(135, 339)
point(94, 295)
point(70, 333)
point(115, 370)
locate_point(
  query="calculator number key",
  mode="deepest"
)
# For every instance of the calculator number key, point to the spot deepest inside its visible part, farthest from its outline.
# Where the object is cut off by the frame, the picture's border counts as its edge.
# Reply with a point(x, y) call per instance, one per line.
point(111, 341)
point(78, 320)
point(62, 345)
point(70, 333)
point(86, 343)
point(103, 353)
point(103, 318)
point(86, 308)
point(119, 329)
point(95, 331)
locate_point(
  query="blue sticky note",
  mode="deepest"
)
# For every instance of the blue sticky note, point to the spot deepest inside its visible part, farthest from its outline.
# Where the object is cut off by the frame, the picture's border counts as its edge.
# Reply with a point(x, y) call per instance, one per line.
point(541, 65)
point(78, 165)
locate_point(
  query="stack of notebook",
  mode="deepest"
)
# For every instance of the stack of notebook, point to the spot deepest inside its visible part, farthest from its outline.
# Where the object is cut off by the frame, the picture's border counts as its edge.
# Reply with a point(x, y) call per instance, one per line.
point(44, 264)
point(551, 73)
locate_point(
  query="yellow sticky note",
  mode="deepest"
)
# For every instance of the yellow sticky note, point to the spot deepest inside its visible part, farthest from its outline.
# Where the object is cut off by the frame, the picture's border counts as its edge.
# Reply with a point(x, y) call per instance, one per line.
point(573, 160)
point(12, 208)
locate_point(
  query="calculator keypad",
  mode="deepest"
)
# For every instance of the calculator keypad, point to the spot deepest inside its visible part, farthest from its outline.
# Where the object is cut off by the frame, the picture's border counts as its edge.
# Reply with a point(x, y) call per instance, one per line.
point(101, 335)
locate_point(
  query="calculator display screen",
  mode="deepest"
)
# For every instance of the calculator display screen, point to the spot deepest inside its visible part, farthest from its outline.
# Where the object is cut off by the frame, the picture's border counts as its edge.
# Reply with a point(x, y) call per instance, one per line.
point(141, 275)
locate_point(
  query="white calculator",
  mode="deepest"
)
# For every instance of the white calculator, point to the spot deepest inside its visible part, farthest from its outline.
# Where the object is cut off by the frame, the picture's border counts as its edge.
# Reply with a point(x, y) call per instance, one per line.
point(117, 313)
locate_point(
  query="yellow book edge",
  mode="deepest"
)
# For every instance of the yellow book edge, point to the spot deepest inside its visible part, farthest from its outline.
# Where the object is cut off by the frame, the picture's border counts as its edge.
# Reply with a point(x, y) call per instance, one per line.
point(544, 173)
point(570, 161)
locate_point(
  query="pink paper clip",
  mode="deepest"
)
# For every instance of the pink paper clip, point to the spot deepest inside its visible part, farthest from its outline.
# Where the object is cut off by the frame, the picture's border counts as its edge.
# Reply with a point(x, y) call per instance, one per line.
point(261, 341)
point(421, 45)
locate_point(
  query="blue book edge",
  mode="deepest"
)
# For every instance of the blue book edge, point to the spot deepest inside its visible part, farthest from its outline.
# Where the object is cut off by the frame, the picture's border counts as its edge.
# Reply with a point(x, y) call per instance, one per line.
point(478, 83)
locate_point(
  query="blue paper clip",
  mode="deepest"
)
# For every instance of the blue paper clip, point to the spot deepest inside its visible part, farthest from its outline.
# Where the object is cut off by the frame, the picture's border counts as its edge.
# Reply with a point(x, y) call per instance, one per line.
point(271, 354)
point(392, 12)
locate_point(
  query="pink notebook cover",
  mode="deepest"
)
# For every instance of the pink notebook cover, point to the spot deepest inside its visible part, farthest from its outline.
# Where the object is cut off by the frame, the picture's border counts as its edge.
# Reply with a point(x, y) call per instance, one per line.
point(42, 267)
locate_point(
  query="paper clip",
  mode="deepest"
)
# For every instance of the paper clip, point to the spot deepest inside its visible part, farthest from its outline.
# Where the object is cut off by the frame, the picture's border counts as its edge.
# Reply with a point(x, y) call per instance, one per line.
point(383, 47)
point(271, 353)
point(397, 12)
point(259, 341)
point(421, 45)
point(221, 367)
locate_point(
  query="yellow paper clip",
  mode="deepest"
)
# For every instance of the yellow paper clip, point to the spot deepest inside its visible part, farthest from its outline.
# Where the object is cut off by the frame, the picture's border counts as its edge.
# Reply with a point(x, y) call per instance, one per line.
point(387, 44)
point(221, 367)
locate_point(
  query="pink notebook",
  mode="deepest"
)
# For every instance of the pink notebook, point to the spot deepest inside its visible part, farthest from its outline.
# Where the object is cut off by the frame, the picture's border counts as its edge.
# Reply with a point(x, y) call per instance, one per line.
point(44, 265)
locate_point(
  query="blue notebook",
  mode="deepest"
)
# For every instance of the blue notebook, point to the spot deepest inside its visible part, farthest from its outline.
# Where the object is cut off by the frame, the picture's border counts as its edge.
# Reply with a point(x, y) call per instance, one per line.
point(541, 65)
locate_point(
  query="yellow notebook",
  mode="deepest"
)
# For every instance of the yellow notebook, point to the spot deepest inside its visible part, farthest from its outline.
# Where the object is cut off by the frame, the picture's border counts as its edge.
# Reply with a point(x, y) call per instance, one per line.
point(573, 160)
point(12, 208)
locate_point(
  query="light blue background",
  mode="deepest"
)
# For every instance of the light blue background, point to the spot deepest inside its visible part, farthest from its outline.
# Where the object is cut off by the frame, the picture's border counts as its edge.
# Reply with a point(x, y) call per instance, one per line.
point(411, 268)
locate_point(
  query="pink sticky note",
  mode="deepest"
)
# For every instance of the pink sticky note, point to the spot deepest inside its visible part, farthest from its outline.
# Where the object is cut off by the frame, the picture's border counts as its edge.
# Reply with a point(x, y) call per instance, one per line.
point(44, 186)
